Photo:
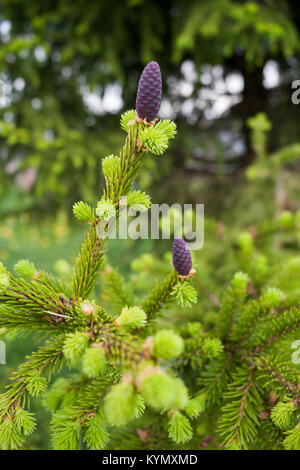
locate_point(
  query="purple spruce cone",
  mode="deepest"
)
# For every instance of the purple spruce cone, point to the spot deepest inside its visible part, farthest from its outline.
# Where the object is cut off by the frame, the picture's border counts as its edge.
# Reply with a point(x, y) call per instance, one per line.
point(182, 260)
point(149, 92)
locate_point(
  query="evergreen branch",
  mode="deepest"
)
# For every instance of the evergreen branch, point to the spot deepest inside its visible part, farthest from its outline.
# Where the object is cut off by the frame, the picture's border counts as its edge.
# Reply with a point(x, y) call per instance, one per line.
point(51, 281)
point(49, 356)
point(91, 393)
point(269, 436)
point(88, 264)
point(233, 299)
point(246, 321)
point(33, 296)
point(215, 378)
point(27, 270)
point(83, 394)
point(292, 440)
point(127, 169)
point(274, 370)
point(26, 304)
point(90, 258)
point(273, 330)
point(255, 312)
point(159, 296)
point(239, 421)
point(122, 349)
point(19, 319)
point(119, 294)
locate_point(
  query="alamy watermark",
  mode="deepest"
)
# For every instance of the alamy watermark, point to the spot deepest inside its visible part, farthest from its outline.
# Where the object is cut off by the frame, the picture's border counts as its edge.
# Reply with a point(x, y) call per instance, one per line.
point(2, 353)
point(3, 94)
point(296, 353)
point(296, 94)
point(161, 221)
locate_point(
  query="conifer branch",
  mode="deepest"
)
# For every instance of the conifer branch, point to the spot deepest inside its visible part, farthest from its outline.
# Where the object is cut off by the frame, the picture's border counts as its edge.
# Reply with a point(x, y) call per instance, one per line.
point(88, 264)
point(27, 305)
point(233, 299)
point(271, 331)
point(120, 347)
point(214, 379)
point(118, 293)
point(240, 416)
point(281, 373)
point(90, 259)
point(27, 379)
point(159, 295)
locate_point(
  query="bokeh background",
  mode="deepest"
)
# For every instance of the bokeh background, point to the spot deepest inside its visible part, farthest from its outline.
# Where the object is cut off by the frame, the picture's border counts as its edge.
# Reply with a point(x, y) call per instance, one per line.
point(68, 68)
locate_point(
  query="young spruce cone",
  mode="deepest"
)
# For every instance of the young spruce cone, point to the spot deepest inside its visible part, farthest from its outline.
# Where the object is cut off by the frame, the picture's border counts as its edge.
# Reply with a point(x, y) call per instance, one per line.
point(182, 260)
point(149, 92)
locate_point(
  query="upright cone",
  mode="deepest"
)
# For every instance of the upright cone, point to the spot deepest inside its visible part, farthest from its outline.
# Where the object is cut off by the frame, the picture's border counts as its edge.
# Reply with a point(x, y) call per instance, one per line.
point(149, 92)
point(182, 260)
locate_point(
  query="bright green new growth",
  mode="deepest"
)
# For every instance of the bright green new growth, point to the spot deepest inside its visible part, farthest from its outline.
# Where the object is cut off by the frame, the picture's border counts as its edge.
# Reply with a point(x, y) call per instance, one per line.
point(282, 414)
point(167, 344)
point(83, 211)
point(65, 430)
point(212, 347)
point(4, 279)
point(163, 392)
point(12, 432)
point(286, 219)
point(179, 428)
point(96, 435)
point(4, 282)
point(273, 297)
point(25, 422)
point(195, 406)
point(128, 118)
point(131, 318)
point(109, 166)
point(154, 140)
point(75, 345)
point(292, 441)
point(167, 127)
point(57, 395)
point(138, 200)
point(10, 437)
point(121, 404)
point(37, 385)
point(105, 210)
point(185, 294)
point(94, 362)
point(25, 269)
point(245, 241)
point(239, 282)
point(180, 395)
point(155, 389)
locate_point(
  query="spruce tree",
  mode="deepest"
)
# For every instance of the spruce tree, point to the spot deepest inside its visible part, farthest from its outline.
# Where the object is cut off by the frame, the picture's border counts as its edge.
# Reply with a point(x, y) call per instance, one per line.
point(221, 377)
